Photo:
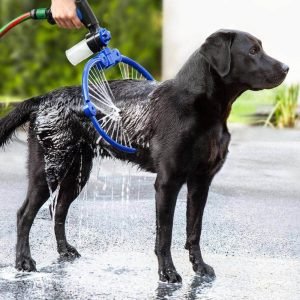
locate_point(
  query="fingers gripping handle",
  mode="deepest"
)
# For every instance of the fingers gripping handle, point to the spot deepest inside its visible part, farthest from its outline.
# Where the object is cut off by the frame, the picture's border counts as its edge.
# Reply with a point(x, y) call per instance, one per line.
point(84, 13)
point(46, 14)
point(50, 19)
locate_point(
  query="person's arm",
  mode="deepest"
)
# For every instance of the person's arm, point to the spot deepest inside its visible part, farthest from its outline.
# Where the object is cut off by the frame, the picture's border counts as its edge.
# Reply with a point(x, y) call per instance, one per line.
point(64, 13)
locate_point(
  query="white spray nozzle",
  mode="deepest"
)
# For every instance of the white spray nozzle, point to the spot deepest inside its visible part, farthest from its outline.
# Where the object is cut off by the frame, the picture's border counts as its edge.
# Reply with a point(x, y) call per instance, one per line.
point(78, 53)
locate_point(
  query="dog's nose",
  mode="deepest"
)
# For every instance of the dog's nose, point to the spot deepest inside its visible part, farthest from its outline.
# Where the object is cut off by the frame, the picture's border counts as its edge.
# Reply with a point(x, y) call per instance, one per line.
point(285, 68)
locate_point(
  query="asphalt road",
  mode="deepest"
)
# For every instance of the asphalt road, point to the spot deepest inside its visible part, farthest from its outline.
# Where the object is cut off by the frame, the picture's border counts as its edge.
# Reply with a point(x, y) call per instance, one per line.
point(251, 232)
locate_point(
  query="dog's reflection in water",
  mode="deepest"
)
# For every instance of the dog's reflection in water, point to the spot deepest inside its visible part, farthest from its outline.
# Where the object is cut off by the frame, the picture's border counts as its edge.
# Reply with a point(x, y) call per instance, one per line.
point(196, 287)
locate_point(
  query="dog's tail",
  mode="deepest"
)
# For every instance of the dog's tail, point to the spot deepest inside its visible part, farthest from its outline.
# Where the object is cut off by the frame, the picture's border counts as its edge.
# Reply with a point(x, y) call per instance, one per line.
point(16, 118)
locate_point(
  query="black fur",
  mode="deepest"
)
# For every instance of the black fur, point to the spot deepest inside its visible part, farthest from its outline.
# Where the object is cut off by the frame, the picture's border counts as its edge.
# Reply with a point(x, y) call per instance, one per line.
point(178, 126)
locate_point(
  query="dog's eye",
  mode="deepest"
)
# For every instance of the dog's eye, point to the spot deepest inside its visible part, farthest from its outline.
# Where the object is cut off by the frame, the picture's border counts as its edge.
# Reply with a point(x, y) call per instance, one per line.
point(253, 50)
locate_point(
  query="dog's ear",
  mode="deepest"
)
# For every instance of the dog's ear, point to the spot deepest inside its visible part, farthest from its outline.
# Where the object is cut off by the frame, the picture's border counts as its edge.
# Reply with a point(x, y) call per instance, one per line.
point(216, 51)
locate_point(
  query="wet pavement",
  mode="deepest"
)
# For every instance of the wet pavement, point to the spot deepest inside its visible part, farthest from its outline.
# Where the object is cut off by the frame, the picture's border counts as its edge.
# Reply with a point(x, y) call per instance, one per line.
point(251, 231)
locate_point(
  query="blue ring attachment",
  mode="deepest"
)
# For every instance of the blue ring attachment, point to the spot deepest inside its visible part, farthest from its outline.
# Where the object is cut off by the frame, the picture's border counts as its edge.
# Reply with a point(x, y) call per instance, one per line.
point(106, 59)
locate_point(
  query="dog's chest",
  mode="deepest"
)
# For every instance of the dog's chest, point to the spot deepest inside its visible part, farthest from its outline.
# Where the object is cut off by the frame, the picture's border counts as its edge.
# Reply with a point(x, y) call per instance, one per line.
point(210, 150)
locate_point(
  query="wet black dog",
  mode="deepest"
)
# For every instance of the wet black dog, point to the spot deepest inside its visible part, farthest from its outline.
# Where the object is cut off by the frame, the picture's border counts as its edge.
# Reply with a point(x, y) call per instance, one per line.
point(178, 126)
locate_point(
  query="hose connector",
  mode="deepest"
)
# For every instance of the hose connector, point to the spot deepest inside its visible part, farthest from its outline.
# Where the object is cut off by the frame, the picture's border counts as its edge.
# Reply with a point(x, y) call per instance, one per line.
point(42, 14)
point(108, 58)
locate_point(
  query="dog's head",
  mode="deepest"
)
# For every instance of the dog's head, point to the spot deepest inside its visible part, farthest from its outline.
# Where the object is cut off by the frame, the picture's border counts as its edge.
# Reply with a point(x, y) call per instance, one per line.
point(238, 57)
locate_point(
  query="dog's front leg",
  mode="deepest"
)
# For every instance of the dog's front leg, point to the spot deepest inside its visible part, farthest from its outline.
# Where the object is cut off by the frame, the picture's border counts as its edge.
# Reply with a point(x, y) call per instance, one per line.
point(167, 189)
point(197, 195)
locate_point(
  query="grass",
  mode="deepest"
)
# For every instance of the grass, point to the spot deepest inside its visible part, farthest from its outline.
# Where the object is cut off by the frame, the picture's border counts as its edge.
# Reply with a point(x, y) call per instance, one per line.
point(284, 114)
point(249, 103)
point(5, 104)
point(9, 99)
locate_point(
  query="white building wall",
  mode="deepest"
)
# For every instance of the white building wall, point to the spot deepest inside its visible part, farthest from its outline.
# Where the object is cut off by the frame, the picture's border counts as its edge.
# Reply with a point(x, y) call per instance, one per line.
point(188, 22)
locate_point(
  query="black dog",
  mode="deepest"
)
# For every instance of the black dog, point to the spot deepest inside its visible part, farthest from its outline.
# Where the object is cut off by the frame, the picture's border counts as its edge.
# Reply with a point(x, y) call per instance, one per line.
point(178, 126)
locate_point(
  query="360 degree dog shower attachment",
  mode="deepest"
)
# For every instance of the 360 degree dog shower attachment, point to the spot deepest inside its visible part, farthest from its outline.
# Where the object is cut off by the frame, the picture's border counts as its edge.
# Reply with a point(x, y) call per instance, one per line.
point(98, 96)
point(99, 101)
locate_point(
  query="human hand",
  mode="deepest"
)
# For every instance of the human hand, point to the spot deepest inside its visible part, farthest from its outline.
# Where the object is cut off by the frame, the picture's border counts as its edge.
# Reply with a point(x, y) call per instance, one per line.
point(64, 14)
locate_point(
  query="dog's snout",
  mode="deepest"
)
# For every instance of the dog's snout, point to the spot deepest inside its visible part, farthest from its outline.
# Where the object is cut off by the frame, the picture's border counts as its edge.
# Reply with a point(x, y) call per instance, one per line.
point(285, 68)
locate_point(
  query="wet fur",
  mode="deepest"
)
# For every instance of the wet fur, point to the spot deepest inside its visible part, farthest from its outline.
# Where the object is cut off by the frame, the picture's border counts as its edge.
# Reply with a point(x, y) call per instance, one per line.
point(178, 127)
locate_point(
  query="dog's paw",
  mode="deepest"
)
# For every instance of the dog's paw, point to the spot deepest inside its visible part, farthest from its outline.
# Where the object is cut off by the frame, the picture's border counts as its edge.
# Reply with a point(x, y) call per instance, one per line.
point(26, 264)
point(169, 275)
point(202, 269)
point(69, 252)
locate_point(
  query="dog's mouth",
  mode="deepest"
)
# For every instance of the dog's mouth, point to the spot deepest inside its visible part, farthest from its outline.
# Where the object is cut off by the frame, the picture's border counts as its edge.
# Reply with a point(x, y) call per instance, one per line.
point(276, 80)
point(272, 81)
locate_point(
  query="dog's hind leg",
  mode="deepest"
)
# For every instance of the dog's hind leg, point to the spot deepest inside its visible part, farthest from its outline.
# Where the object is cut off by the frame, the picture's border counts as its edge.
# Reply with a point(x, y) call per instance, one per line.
point(70, 188)
point(37, 195)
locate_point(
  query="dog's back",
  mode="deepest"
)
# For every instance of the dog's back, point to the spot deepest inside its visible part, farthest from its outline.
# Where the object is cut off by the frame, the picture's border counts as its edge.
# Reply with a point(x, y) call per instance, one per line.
point(61, 128)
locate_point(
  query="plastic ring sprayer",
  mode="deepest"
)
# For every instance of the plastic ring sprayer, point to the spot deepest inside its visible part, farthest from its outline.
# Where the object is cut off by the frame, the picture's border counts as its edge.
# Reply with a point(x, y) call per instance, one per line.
point(97, 94)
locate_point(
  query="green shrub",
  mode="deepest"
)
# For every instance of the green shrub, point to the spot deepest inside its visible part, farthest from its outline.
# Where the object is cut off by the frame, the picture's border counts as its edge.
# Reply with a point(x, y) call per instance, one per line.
point(5, 108)
point(7, 103)
point(284, 114)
